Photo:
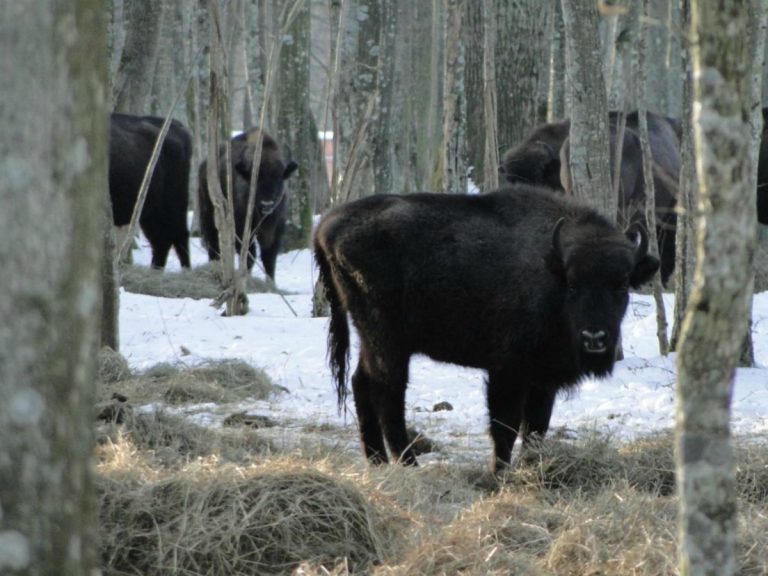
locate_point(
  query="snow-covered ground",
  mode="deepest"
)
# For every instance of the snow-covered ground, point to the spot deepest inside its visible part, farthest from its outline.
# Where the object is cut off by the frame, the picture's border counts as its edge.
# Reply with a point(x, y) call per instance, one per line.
point(637, 399)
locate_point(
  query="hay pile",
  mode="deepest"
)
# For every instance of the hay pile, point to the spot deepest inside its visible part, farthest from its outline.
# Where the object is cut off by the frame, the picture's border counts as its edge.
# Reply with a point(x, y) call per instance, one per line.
point(220, 381)
point(199, 282)
point(230, 521)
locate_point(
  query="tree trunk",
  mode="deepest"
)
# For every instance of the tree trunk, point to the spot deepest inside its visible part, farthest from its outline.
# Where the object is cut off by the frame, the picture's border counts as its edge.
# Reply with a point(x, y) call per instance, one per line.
point(650, 190)
point(718, 310)
point(473, 38)
point(385, 116)
point(521, 50)
point(685, 248)
point(589, 139)
point(52, 186)
point(490, 31)
point(132, 89)
point(556, 59)
point(758, 15)
point(454, 163)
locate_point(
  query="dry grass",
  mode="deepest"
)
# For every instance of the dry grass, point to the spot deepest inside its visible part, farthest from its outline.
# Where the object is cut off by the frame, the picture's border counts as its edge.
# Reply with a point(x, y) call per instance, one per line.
point(227, 520)
point(198, 283)
point(220, 381)
point(179, 498)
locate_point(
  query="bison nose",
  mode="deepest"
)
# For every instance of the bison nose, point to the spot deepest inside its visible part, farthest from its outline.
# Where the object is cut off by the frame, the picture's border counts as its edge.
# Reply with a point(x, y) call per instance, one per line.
point(267, 205)
point(594, 342)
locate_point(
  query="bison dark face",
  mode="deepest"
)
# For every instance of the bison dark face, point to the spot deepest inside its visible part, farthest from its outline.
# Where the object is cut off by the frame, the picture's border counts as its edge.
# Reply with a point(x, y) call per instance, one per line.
point(537, 163)
point(273, 171)
point(595, 277)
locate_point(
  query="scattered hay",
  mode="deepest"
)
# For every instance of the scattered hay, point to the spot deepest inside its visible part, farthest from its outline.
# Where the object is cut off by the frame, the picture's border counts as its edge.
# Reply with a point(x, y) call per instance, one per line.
point(219, 381)
point(235, 521)
point(649, 463)
point(112, 366)
point(198, 283)
point(173, 440)
point(585, 465)
point(752, 469)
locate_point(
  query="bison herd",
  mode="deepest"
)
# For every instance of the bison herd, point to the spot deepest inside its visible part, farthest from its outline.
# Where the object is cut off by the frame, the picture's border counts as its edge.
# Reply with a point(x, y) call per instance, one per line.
point(526, 283)
point(163, 219)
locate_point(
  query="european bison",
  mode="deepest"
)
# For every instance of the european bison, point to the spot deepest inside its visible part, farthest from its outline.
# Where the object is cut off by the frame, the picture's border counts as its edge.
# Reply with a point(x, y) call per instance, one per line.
point(163, 218)
point(664, 142)
point(268, 221)
point(542, 159)
point(530, 286)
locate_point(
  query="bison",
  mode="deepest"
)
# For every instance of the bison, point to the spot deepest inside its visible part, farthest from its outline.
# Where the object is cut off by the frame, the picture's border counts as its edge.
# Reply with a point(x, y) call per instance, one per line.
point(163, 218)
point(542, 159)
point(268, 220)
point(531, 287)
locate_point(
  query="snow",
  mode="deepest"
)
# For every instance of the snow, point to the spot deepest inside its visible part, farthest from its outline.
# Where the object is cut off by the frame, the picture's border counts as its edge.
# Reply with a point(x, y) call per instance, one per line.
point(639, 397)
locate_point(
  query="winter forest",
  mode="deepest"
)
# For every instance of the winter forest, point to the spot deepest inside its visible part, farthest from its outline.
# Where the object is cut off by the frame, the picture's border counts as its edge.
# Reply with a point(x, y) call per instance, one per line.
point(239, 339)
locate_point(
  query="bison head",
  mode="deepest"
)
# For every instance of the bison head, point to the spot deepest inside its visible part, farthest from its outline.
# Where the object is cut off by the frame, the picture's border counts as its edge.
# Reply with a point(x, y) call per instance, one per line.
point(275, 167)
point(535, 163)
point(595, 266)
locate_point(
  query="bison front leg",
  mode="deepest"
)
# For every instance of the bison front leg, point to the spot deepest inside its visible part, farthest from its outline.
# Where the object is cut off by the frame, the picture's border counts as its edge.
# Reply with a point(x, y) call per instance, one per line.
point(505, 409)
point(537, 414)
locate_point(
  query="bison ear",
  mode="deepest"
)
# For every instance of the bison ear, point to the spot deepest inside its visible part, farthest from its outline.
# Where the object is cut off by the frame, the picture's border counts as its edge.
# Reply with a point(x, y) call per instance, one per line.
point(290, 168)
point(554, 258)
point(646, 264)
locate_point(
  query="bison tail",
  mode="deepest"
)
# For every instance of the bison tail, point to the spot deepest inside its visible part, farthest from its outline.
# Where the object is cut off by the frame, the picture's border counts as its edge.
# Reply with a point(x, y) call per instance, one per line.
point(338, 329)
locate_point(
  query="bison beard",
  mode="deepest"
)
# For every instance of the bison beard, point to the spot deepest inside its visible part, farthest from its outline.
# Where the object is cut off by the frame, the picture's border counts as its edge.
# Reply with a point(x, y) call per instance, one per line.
point(531, 287)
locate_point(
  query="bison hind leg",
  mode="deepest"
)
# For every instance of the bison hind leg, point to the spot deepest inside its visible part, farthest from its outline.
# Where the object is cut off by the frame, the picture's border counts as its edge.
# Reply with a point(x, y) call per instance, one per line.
point(371, 435)
point(380, 401)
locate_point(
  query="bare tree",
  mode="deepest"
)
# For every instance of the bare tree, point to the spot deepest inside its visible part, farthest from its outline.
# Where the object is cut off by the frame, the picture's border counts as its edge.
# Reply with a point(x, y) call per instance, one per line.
point(454, 161)
point(132, 88)
point(54, 156)
point(490, 32)
point(589, 139)
point(650, 189)
point(717, 313)
point(685, 248)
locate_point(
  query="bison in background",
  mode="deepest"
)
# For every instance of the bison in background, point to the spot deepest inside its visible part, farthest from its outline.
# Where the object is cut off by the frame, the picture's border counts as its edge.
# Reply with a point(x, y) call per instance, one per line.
point(542, 158)
point(163, 218)
point(268, 221)
point(531, 287)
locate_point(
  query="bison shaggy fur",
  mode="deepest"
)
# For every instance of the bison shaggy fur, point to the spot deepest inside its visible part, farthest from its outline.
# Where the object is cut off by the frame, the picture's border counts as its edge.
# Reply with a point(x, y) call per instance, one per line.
point(530, 287)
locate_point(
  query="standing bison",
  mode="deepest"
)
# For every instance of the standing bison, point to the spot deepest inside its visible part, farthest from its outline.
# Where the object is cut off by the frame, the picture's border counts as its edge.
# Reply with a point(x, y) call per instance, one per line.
point(531, 287)
point(268, 221)
point(163, 218)
point(542, 159)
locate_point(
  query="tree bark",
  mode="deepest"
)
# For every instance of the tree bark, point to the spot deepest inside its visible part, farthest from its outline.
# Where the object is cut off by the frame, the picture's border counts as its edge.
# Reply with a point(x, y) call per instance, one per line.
point(685, 248)
point(454, 163)
point(490, 32)
point(53, 151)
point(556, 59)
point(650, 189)
point(132, 90)
point(718, 310)
point(295, 126)
point(589, 139)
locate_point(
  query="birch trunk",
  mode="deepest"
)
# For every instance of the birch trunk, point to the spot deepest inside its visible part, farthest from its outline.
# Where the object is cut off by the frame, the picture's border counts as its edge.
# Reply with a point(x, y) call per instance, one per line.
point(717, 314)
point(53, 152)
point(490, 32)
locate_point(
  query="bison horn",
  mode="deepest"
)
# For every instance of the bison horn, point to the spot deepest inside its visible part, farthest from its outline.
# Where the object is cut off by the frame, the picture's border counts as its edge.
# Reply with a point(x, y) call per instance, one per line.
point(556, 238)
point(637, 235)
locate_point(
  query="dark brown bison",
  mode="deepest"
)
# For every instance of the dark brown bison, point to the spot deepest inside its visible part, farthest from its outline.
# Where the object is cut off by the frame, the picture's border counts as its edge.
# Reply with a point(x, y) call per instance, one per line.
point(542, 159)
point(663, 140)
point(163, 218)
point(268, 221)
point(531, 287)
point(762, 174)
